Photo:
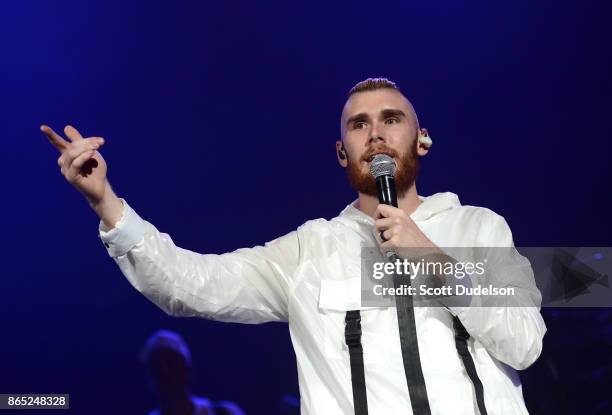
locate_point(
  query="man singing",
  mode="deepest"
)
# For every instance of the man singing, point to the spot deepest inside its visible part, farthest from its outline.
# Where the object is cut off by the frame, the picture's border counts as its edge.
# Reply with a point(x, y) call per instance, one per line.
point(311, 278)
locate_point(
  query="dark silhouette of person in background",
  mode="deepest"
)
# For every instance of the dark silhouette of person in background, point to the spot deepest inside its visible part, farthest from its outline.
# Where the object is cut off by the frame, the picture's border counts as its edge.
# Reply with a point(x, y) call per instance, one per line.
point(167, 361)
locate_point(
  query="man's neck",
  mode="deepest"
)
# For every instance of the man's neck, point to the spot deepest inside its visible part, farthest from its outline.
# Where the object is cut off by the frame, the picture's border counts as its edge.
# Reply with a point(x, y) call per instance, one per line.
point(408, 202)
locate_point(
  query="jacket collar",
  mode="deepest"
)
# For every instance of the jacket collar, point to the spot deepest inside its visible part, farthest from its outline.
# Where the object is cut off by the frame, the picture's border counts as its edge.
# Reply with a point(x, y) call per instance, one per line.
point(430, 206)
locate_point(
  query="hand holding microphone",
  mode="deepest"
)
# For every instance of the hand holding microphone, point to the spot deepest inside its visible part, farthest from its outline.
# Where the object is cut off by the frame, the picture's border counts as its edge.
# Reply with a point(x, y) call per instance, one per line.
point(395, 229)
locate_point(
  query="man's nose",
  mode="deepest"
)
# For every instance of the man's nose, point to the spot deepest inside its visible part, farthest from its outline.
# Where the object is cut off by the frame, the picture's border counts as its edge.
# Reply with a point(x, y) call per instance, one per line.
point(375, 135)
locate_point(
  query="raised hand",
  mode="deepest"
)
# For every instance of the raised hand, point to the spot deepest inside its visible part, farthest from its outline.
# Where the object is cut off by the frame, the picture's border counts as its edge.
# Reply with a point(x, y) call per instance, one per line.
point(80, 162)
point(83, 166)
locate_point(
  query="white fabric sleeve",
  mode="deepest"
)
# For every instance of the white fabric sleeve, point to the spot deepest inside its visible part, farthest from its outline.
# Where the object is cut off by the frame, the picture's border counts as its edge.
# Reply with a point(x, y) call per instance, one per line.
point(511, 328)
point(127, 232)
point(249, 285)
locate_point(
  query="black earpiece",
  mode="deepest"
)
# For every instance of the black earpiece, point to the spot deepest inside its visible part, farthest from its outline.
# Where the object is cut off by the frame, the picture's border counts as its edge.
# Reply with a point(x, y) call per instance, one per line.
point(342, 153)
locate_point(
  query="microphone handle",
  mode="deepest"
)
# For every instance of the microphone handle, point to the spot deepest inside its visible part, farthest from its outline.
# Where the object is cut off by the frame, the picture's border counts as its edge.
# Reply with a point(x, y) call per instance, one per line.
point(386, 190)
point(386, 195)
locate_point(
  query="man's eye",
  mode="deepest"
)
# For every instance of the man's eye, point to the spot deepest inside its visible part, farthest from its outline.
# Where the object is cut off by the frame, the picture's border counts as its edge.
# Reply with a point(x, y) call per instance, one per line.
point(391, 120)
point(359, 125)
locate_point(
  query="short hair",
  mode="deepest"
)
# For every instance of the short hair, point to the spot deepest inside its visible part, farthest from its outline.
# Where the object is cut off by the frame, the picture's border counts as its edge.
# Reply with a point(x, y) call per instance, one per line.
point(168, 340)
point(373, 84)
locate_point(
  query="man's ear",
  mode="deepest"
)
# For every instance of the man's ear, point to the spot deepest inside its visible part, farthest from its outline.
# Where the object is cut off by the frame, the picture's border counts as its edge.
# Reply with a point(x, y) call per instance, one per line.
point(424, 142)
point(341, 154)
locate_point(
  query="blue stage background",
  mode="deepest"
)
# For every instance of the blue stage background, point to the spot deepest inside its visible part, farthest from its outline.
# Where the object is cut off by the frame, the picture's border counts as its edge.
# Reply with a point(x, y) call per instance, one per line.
point(192, 96)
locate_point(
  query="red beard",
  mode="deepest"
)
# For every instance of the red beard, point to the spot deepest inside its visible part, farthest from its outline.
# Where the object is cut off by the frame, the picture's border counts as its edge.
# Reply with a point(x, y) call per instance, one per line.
point(405, 175)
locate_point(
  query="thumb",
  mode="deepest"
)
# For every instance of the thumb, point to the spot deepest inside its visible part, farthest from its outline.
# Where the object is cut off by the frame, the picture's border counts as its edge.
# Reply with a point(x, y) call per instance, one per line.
point(72, 133)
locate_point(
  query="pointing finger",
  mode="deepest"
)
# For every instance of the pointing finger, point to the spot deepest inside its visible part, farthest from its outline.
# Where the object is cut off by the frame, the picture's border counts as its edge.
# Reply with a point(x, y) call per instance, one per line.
point(56, 140)
point(72, 133)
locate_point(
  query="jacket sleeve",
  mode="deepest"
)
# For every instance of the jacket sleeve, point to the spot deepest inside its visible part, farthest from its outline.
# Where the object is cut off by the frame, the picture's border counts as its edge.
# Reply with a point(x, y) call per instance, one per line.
point(510, 327)
point(249, 285)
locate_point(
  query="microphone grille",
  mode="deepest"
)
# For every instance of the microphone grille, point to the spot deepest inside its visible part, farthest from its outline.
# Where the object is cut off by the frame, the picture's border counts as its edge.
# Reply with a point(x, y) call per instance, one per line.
point(382, 165)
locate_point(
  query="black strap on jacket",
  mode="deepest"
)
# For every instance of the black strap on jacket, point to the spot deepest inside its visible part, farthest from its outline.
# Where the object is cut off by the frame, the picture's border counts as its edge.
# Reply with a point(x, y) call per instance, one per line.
point(410, 353)
point(352, 336)
point(410, 347)
point(461, 338)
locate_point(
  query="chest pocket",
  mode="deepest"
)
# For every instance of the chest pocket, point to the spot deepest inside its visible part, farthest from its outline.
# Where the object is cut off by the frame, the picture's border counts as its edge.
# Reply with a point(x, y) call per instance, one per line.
point(378, 324)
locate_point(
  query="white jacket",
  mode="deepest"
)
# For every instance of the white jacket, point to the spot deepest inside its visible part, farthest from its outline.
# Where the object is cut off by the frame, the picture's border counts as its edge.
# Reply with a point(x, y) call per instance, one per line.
point(310, 278)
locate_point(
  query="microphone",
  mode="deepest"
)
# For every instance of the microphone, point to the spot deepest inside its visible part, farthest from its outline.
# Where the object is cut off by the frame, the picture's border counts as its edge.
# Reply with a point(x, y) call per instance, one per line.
point(383, 169)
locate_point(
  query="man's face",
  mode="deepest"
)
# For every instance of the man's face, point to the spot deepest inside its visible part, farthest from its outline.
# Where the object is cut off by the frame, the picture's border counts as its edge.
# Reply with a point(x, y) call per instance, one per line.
point(374, 122)
point(168, 371)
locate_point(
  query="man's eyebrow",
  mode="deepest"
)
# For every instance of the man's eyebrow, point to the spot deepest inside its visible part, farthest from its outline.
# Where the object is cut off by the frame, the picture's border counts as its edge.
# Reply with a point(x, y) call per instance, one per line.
point(357, 117)
point(392, 113)
point(386, 113)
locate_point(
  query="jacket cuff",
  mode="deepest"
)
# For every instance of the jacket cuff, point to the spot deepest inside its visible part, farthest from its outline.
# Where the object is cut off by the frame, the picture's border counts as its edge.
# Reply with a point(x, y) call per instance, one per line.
point(127, 232)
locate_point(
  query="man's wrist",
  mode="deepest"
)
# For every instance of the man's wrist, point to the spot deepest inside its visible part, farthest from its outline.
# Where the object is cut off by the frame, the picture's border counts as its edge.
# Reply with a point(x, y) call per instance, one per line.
point(109, 209)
